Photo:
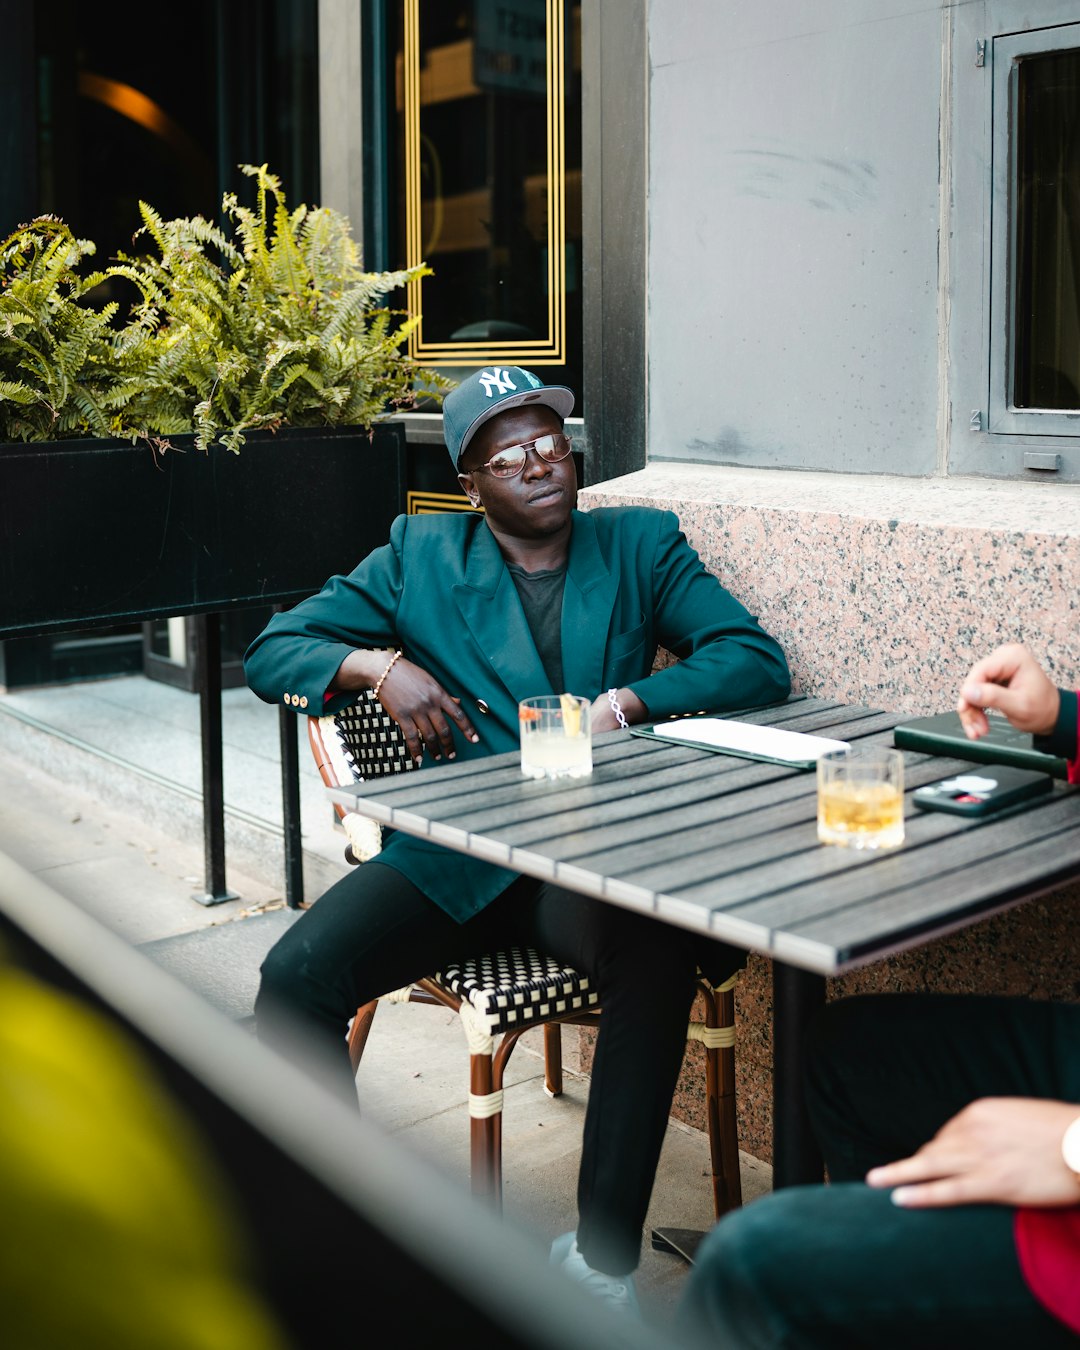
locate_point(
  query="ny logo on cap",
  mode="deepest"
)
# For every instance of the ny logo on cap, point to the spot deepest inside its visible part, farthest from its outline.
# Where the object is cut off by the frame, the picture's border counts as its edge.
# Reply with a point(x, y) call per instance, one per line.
point(497, 381)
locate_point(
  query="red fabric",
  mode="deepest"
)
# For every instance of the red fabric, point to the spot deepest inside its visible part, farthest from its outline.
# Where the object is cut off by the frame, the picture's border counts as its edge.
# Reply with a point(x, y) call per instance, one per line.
point(1048, 1245)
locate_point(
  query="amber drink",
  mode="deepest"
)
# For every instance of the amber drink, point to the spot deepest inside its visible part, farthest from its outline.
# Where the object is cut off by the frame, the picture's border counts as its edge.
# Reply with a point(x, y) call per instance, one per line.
point(861, 798)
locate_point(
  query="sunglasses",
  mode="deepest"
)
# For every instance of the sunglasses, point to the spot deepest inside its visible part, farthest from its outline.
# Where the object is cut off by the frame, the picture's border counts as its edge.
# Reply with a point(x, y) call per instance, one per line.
point(509, 463)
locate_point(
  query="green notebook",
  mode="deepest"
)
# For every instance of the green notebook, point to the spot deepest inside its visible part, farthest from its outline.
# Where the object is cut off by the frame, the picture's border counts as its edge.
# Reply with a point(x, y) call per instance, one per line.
point(943, 734)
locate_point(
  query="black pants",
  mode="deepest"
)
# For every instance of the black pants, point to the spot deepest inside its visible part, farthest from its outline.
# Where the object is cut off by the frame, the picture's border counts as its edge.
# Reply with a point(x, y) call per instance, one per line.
point(840, 1265)
point(374, 931)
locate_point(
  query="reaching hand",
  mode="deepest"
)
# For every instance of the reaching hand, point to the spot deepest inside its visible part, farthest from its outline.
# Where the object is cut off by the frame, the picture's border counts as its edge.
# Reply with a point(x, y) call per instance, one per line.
point(421, 707)
point(998, 1150)
point(1011, 680)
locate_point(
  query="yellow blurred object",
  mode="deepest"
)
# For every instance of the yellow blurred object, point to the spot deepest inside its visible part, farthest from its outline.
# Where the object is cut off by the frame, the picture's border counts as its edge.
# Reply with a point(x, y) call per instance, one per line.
point(115, 1228)
point(571, 714)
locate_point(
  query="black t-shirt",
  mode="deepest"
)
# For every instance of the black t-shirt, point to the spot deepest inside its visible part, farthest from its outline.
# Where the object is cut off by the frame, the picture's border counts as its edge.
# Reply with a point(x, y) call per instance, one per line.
point(541, 595)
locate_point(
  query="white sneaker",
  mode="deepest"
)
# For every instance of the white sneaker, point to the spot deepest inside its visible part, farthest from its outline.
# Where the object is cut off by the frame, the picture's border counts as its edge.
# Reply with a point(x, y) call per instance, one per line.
point(616, 1291)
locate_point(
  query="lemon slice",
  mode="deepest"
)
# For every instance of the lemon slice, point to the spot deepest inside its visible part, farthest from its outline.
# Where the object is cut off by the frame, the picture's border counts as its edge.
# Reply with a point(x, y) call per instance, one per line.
point(571, 714)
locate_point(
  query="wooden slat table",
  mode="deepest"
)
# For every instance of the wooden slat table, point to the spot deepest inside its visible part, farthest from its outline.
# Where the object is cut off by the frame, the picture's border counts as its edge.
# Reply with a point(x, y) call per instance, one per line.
point(729, 847)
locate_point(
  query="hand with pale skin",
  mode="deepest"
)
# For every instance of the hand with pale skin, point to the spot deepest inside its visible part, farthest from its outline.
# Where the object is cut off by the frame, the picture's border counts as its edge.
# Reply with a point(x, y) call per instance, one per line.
point(1013, 682)
point(414, 699)
point(998, 1151)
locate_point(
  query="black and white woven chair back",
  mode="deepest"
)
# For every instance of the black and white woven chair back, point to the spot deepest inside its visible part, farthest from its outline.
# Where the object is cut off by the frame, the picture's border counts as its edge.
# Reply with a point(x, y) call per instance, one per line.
point(370, 742)
point(363, 741)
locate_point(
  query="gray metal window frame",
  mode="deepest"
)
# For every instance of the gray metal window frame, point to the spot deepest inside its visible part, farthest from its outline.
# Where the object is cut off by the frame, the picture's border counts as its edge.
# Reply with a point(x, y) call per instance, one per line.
point(971, 218)
point(1004, 417)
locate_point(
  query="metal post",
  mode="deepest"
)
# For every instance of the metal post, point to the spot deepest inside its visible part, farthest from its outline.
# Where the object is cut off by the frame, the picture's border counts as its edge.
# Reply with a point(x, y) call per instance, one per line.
point(290, 802)
point(797, 996)
point(290, 806)
point(208, 679)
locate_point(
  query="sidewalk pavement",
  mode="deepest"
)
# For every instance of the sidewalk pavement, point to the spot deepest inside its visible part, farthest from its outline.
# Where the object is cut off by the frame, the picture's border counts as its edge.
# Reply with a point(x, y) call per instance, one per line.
point(101, 785)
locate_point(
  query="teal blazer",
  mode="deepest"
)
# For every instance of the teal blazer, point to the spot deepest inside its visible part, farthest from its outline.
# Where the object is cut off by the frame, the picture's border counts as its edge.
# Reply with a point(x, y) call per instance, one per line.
point(441, 590)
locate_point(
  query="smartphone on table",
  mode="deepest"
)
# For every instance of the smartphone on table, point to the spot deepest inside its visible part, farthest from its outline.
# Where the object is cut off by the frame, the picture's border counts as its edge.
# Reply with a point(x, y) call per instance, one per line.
point(986, 789)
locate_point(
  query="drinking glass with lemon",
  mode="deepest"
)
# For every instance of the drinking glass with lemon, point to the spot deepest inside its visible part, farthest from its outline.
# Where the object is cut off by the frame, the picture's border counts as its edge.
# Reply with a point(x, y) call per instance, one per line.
point(556, 740)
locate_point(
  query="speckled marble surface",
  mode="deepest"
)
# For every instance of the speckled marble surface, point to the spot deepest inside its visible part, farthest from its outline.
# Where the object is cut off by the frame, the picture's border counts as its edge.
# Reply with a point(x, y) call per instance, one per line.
point(884, 591)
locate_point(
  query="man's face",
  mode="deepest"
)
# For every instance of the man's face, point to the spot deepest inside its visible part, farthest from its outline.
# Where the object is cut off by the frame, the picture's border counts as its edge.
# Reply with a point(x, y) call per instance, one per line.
point(539, 499)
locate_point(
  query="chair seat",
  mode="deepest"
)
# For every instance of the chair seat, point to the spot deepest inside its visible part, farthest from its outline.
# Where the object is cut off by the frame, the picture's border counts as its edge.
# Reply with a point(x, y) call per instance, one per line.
point(512, 988)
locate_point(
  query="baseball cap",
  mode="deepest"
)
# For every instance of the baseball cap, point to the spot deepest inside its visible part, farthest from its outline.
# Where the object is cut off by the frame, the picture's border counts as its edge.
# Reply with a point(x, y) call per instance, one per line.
point(491, 391)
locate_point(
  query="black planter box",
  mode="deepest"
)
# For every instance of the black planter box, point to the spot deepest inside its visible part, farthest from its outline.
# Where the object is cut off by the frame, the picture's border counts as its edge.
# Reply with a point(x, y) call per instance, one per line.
point(104, 532)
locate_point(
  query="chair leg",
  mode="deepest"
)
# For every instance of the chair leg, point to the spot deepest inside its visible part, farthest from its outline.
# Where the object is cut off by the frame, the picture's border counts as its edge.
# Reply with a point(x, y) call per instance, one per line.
point(553, 1079)
point(358, 1032)
point(718, 1037)
point(485, 1132)
point(720, 1099)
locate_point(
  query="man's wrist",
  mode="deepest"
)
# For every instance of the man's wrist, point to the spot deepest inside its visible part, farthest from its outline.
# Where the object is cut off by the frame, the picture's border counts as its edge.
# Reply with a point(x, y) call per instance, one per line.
point(361, 668)
point(1070, 1149)
point(627, 706)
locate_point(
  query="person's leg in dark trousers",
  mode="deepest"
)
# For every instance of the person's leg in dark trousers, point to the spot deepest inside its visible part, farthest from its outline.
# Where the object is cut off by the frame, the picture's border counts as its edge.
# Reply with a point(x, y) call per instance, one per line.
point(370, 933)
point(644, 974)
point(885, 1072)
point(841, 1265)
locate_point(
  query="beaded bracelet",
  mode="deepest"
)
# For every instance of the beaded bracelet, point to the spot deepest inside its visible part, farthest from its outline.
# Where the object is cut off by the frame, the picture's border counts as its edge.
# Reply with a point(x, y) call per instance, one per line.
point(389, 668)
point(620, 716)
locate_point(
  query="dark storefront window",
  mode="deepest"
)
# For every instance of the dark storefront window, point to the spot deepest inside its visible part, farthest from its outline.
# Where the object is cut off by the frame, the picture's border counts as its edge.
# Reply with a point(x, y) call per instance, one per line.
point(483, 179)
point(1046, 352)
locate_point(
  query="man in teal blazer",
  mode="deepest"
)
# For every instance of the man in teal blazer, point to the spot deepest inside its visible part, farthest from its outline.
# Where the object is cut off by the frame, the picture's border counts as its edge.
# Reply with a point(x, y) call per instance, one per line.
point(454, 621)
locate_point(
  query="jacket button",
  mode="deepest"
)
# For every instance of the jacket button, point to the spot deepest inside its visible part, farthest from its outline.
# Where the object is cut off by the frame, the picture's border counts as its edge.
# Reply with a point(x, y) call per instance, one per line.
point(295, 700)
point(482, 706)
point(286, 697)
point(303, 700)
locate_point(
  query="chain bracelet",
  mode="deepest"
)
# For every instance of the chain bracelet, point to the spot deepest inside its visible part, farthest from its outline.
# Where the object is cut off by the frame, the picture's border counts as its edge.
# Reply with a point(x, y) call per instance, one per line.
point(620, 716)
point(389, 668)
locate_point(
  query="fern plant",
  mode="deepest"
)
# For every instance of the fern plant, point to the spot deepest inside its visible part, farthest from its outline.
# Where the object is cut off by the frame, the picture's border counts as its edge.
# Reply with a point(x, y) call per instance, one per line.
point(66, 369)
point(273, 323)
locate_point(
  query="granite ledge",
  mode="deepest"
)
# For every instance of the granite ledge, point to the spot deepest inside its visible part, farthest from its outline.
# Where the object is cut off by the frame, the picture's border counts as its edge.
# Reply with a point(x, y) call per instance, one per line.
point(1021, 507)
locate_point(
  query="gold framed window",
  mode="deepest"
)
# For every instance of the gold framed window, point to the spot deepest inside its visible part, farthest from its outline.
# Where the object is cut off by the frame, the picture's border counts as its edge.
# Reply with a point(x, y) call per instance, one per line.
point(488, 183)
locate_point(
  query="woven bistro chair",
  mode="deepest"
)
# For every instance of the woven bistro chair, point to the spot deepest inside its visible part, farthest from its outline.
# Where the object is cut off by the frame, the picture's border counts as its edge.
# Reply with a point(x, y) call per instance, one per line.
point(505, 993)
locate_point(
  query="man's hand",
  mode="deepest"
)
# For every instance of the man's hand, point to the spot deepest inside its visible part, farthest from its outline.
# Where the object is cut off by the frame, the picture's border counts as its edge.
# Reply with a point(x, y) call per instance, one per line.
point(423, 710)
point(1011, 680)
point(998, 1150)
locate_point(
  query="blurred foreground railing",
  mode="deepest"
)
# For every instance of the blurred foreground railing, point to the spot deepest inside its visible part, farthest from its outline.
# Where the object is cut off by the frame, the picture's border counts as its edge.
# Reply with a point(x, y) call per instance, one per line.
point(347, 1233)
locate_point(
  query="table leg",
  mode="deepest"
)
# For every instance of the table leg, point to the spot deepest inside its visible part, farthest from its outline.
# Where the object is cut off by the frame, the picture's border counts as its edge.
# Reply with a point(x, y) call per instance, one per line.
point(797, 996)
